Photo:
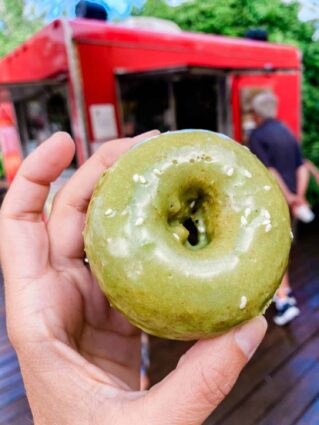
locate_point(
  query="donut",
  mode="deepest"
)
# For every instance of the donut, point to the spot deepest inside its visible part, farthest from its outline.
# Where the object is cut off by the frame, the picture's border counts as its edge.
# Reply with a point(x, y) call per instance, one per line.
point(188, 235)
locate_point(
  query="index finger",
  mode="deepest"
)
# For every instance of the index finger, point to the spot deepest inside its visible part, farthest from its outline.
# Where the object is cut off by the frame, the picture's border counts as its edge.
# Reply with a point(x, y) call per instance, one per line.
point(23, 242)
point(27, 195)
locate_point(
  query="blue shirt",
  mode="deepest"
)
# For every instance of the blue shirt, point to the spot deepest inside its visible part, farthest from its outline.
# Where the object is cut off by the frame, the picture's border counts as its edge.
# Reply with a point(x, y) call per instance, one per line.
point(276, 147)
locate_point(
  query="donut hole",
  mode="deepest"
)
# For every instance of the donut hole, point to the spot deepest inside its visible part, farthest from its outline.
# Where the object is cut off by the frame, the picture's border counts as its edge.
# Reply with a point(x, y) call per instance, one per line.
point(193, 236)
point(188, 218)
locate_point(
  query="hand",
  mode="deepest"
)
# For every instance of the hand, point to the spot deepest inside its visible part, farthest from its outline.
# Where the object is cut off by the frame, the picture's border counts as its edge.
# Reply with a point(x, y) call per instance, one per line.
point(295, 201)
point(79, 358)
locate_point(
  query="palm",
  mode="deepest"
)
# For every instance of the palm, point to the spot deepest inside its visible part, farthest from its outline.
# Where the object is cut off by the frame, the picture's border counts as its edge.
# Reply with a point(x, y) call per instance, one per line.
point(101, 335)
point(76, 312)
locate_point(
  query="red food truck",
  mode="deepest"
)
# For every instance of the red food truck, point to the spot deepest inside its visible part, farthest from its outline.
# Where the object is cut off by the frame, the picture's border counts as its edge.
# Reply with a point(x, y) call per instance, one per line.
point(100, 81)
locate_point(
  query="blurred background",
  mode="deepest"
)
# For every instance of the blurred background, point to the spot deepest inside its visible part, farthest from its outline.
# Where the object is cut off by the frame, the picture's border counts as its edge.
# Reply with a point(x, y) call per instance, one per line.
point(111, 68)
point(285, 21)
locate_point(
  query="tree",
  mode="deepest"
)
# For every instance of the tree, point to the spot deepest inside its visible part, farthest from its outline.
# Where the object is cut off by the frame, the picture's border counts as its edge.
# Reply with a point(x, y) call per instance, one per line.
point(233, 18)
point(15, 24)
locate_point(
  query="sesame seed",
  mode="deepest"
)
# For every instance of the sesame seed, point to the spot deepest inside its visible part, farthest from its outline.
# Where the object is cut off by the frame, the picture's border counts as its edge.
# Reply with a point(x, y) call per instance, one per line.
point(243, 302)
point(201, 229)
point(291, 235)
point(136, 178)
point(266, 214)
point(267, 188)
point(192, 204)
point(247, 212)
point(157, 172)
point(248, 174)
point(142, 179)
point(108, 212)
point(230, 172)
point(176, 236)
point(243, 220)
point(245, 147)
point(268, 228)
point(139, 221)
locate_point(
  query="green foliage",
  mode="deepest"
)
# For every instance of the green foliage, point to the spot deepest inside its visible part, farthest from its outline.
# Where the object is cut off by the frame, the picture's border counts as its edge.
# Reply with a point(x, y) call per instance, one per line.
point(15, 26)
point(228, 17)
point(233, 18)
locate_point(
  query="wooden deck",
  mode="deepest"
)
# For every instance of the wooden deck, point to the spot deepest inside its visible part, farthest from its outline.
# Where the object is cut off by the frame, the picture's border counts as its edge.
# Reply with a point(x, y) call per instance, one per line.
point(279, 387)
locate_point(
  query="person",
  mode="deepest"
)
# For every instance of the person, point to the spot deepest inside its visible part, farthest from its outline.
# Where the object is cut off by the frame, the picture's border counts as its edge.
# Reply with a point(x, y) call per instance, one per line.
point(79, 358)
point(277, 148)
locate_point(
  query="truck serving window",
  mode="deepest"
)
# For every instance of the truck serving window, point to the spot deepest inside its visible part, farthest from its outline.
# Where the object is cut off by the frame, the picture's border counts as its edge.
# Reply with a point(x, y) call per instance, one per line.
point(171, 100)
point(41, 110)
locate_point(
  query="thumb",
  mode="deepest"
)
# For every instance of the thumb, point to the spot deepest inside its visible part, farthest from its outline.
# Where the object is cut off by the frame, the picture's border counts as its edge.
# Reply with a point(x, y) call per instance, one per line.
point(203, 377)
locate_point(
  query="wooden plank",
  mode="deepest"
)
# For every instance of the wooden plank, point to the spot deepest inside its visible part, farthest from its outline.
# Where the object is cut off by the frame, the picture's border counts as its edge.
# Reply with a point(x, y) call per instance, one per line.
point(8, 357)
point(311, 415)
point(164, 356)
point(14, 407)
point(15, 413)
point(12, 394)
point(275, 386)
point(11, 367)
point(22, 420)
point(295, 401)
point(12, 380)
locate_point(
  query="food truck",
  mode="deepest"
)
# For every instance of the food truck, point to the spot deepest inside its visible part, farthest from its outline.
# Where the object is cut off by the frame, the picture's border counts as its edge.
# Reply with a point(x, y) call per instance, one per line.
point(100, 81)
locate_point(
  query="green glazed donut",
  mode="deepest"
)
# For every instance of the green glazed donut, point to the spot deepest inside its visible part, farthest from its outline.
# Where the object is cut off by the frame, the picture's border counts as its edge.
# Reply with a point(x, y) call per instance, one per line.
point(188, 234)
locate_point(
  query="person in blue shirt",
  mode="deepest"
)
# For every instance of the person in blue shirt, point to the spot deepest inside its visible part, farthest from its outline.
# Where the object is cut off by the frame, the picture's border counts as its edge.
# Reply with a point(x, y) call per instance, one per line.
point(278, 149)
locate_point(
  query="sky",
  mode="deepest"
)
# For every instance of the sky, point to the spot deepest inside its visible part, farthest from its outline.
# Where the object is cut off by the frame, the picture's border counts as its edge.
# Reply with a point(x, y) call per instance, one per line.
point(309, 9)
point(117, 9)
point(120, 9)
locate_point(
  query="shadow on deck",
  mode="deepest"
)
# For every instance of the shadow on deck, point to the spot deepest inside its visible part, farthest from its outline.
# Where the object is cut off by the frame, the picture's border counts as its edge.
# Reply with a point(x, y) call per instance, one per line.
point(280, 386)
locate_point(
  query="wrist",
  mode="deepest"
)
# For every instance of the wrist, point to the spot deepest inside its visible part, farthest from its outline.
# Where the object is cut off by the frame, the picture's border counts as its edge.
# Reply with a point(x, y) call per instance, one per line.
point(290, 198)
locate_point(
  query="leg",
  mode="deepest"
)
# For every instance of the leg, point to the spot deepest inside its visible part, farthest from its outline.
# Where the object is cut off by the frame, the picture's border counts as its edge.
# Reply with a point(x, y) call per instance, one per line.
point(285, 303)
point(284, 287)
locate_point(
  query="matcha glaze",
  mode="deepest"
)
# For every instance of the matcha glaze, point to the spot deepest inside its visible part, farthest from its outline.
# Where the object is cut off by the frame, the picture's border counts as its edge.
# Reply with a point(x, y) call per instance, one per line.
point(188, 234)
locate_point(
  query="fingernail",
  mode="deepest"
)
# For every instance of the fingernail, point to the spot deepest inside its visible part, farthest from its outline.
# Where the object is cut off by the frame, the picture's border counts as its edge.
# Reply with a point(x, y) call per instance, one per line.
point(150, 133)
point(249, 336)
